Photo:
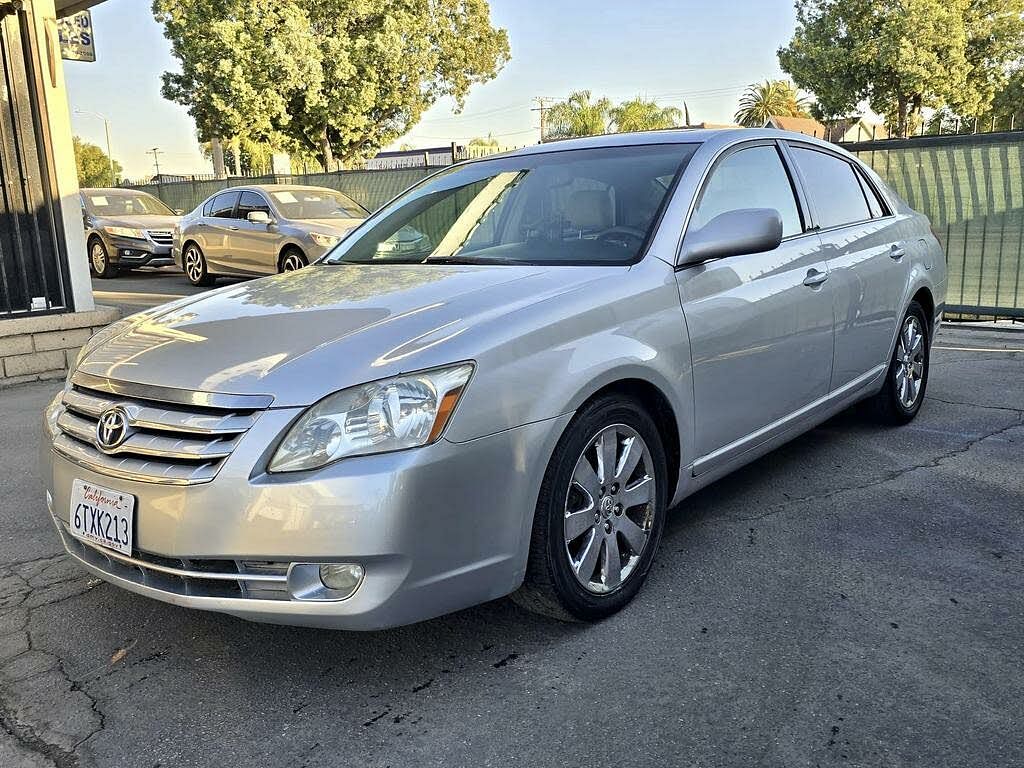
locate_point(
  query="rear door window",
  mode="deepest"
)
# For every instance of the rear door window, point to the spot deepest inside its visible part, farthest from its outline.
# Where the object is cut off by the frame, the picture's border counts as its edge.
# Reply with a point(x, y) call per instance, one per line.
point(753, 177)
point(223, 205)
point(875, 204)
point(833, 186)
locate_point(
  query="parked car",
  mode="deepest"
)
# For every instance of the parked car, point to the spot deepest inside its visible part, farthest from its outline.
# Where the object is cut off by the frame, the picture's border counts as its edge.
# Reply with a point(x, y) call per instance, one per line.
point(591, 331)
point(126, 228)
point(261, 230)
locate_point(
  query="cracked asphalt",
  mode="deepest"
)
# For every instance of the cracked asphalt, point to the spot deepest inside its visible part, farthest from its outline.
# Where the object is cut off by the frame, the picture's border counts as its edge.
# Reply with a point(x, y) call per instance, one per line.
point(855, 598)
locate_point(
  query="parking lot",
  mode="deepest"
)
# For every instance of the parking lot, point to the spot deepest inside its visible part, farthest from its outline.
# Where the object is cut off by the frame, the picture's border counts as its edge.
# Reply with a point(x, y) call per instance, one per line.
point(855, 598)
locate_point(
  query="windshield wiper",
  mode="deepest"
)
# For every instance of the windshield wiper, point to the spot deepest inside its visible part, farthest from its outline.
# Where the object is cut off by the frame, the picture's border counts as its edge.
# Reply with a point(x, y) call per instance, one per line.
point(467, 259)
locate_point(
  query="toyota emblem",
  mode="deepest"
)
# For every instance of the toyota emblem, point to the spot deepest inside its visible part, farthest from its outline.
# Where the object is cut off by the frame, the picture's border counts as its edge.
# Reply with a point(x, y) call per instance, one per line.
point(112, 428)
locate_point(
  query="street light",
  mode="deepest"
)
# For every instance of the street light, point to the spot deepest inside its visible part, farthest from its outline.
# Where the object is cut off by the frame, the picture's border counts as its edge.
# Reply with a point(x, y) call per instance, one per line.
point(106, 127)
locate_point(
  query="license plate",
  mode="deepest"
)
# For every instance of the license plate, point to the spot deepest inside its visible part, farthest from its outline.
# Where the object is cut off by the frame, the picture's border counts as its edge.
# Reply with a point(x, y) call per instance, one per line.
point(102, 515)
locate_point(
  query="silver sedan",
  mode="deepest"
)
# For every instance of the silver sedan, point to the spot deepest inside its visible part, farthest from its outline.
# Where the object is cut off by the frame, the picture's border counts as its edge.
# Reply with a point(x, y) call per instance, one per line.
point(260, 230)
point(499, 383)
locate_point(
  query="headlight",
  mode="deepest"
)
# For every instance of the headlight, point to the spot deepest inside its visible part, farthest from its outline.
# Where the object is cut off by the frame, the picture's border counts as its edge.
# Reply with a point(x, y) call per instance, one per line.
point(388, 415)
point(324, 241)
point(137, 234)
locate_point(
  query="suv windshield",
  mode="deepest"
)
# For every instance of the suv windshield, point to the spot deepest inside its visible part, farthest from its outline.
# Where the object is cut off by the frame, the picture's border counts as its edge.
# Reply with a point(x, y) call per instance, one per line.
point(316, 204)
point(108, 203)
point(583, 206)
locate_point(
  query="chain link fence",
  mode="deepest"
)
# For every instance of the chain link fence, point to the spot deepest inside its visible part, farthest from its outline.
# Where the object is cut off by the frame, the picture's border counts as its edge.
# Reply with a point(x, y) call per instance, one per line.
point(972, 189)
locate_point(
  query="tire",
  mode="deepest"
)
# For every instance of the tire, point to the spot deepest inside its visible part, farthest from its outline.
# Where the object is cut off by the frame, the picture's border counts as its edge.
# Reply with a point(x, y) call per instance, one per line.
point(618, 511)
point(193, 262)
point(291, 260)
point(907, 377)
point(99, 260)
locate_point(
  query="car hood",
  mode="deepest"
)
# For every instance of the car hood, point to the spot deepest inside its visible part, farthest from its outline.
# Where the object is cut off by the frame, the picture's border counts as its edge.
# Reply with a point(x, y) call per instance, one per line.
point(302, 335)
point(329, 226)
point(153, 221)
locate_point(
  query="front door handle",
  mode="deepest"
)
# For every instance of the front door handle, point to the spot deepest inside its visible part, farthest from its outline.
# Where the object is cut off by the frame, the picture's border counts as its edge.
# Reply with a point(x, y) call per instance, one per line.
point(233, 228)
point(815, 278)
point(897, 252)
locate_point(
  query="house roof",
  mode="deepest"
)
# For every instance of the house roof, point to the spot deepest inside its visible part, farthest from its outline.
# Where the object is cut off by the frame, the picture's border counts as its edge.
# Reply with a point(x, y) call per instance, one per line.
point(805, 125)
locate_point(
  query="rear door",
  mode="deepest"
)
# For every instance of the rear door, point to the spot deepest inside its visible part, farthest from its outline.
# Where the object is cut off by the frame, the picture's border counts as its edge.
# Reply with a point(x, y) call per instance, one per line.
point(760, 325)
point(865, 253)
point(254, 246)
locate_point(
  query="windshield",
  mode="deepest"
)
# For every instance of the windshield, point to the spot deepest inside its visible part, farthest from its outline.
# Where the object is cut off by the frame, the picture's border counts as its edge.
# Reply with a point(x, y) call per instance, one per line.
point(584, 206)
point(112, 204)
point(317, 204)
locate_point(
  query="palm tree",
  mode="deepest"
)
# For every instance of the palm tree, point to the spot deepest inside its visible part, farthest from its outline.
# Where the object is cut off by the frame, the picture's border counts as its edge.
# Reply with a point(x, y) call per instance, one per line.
point(778, 98)
point(641, 115)
point(577, 116)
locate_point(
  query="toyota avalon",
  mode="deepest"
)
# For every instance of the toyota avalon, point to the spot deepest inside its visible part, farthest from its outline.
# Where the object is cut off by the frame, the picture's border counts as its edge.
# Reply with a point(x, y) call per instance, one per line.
point(581, 335)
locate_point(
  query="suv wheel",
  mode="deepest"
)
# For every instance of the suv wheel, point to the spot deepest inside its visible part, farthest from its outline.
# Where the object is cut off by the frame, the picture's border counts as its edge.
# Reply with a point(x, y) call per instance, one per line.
point(99, 260)
point(292, 259)
point(907, 377)
point(600, 513)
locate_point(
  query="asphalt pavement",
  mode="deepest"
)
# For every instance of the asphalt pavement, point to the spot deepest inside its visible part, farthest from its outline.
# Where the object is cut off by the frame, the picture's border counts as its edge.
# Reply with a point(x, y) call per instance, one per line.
point(855, 598)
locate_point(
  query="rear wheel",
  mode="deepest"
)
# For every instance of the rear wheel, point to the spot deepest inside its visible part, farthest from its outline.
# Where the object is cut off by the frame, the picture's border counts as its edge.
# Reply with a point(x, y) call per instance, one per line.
point(99, 260)
point(907, 377)
point(194, 264)
point(292, 259)
point(600, 513)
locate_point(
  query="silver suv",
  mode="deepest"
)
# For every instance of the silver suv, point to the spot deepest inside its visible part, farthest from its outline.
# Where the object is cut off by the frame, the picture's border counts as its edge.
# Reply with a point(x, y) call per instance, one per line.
point(586, 333)
point(126, 228)
point(260, 230)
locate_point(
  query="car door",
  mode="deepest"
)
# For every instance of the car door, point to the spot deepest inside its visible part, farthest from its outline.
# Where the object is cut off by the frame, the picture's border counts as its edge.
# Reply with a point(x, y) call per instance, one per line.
point(863, 246)
point(218, 227)
point(254, 246)
point(760, 325)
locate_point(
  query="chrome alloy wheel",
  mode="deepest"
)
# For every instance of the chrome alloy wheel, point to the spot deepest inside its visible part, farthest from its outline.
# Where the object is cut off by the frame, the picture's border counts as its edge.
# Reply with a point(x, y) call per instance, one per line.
point(292, 262)
point(609, 508)
point(99, 257)
point(193, 264)
point(909, 363)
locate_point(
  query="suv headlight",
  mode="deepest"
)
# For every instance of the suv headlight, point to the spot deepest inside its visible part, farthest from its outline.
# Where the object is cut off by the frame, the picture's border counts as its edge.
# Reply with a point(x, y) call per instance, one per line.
point(324, 241)
point(388, 415)
point(136, 234)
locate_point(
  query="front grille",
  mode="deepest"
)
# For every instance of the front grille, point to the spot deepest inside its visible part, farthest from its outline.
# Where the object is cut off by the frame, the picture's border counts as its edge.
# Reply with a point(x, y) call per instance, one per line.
point(193, 577)
point(167, 442)
point(161, 236)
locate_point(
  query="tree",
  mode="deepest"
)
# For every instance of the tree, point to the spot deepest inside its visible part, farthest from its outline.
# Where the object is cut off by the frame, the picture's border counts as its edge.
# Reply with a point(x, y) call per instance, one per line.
point(490, 141)
point(644, 115)
point(578, 115)
point(772, 98)
point(903, 56)
point(93, 165)
point(340, 78)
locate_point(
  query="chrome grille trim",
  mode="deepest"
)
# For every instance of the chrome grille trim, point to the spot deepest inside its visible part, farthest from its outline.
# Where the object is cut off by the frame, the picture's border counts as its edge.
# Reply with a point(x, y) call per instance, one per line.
point(183, 576)
point(161, 236)
point(172, 443)
point(171, 394)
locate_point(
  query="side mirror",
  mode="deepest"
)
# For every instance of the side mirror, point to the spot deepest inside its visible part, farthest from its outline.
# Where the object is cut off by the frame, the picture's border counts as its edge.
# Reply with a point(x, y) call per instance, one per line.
point(733, 233)
point(258, 217)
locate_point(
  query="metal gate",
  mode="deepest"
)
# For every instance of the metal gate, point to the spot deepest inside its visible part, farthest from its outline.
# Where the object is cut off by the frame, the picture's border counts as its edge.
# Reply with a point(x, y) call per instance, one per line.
point(33, 261)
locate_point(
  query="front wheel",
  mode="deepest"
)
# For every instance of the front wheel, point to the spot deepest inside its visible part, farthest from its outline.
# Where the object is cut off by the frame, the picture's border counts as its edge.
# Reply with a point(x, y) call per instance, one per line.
point(99, 260)
point(194, 264)
point(600, 513)
point(292, 260)
point(907, 377)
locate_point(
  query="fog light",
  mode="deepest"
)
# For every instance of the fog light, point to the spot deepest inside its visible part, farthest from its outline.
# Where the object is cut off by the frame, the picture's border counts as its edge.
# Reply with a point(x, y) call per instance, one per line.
point(342, 577)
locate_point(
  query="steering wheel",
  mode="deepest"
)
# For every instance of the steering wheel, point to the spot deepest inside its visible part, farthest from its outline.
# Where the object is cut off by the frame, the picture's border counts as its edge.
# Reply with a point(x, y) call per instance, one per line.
point(625, 236)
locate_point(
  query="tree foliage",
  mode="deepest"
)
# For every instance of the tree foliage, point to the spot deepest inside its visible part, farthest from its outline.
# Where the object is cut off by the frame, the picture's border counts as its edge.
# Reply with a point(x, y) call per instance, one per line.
point(640, 114)
point(93, 165)
point(579, 115)
point(772, 98)
point(903, 56)
point(340, 78)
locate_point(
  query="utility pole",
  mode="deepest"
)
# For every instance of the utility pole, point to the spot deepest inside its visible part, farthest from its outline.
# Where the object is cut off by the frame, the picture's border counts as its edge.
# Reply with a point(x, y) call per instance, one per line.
point(155, 152)
point(542, 108)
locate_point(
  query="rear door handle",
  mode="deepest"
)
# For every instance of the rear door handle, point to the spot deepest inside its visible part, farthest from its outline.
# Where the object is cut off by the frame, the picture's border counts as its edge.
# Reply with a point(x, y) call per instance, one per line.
point(815, 278)
point(897, 252)
point(233, 228)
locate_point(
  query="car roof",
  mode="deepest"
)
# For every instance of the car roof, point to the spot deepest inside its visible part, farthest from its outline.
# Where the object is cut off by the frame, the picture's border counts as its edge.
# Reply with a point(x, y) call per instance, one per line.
point(721, 136)
point(113, 191)
point(279, 188)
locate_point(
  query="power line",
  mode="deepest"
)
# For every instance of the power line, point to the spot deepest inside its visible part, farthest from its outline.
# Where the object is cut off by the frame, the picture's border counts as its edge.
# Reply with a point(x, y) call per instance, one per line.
point(542, 108)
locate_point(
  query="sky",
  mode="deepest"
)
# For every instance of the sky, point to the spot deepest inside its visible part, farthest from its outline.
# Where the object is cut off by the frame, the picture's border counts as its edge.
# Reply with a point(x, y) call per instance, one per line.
point(671, 50)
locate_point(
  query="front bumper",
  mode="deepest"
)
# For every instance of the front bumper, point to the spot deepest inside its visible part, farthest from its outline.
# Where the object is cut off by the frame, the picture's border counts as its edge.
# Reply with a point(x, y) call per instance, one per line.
point(436, 529)
point(131, 252)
